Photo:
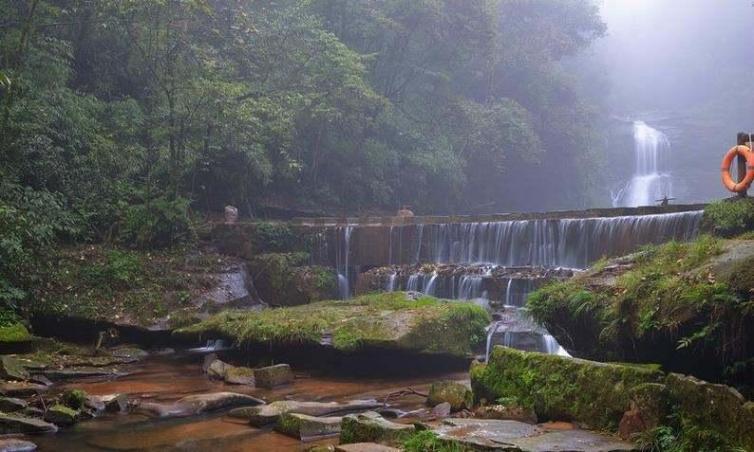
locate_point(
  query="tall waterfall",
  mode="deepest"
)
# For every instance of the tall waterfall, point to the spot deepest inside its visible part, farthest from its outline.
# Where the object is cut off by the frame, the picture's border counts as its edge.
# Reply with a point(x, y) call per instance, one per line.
point(651, 180)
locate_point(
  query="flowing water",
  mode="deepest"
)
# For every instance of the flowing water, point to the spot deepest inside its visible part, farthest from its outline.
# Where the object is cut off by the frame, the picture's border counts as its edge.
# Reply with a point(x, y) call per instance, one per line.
point(652, 180)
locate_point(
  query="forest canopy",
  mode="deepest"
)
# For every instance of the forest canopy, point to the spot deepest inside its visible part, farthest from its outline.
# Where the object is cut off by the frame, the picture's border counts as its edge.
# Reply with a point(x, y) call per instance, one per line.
point(120, 117)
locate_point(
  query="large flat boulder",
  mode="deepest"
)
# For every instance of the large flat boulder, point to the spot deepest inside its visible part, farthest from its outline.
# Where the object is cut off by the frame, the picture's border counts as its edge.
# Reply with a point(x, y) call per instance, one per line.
point(272, 376)
point(385, 321)
point(19, 424)
point(198, 404)
point(595, 394)
point(269, 414)
point(307, 428)
point(21, 389)
point(16, 445)
point(372, 427)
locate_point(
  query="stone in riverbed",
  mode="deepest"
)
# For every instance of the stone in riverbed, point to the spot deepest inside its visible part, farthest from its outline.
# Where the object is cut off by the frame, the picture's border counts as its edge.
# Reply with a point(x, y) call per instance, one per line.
point(112, 403)
point(21, 389)
point(441, 410)
point(216, 370)
point(61, 415)
point(19, 424)
point(240, 376)
point(306, 428)
point(16, 445)
point(12, 369)
point(511, 411)
point(199, 404)
point(262, 415)
point(81, 372)
point(272, 376)
point(371, 427)
point(129, 353)
point(11, 404)
point(457, 395)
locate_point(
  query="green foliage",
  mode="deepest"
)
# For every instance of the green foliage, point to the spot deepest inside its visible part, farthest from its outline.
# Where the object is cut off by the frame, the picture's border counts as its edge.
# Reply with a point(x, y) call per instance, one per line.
point(273, 238)
point(428, 441)
point(730, 217)
point(15, 332)
point(74, 398)
point(120, 270)
point(158, 223)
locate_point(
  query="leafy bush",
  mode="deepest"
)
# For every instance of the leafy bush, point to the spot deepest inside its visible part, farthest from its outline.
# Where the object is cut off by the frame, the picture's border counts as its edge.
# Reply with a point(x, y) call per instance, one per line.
point(274, 238)
point(728, 218)
point(120, 270)
point(160, 223)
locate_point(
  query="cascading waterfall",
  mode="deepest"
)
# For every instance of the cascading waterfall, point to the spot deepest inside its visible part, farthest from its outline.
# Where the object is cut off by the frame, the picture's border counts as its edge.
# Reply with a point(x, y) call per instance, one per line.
point(651, 180)
point(342, 254)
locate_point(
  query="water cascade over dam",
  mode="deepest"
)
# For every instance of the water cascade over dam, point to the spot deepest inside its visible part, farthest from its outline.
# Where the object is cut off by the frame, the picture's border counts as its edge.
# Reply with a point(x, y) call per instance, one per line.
point(495, 261)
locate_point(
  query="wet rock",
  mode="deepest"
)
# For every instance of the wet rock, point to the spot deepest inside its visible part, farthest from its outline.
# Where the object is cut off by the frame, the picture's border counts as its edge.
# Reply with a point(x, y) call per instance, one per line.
point(573, 441)
point(207, 361)
point(112, 403)
point(32, 411)
point(457, 395)
point(12, 369)
point(441, 410)
point(371, 427)
point(20, 424)
point(365, 447)
point(11, 404)
point(270, 377)
point(81, 372)
point(631, 424)
point(511, 411)
point(306, 428)
point(198, 404)
point(239, 376)
point(216, 370)
point(40, 379)
point(16, 445)
point(61, 415)
point(651, 402)
point(262, 415)
point(129, 353)
point(74, 398)
point(21, 389)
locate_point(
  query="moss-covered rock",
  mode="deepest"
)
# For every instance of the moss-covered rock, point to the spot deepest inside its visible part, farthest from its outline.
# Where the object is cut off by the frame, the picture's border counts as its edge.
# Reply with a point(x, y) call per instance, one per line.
point(286, 280)
point(272, 376)
point(306, 428)
point(371, 427)
point(74, 398)
point(252, 239)
point(15, 332)
point(718, 410)
point(684, 306)
point(61, 415)
point(12, 369)
point(596, 394)
point(457, 395)
point(392, 320)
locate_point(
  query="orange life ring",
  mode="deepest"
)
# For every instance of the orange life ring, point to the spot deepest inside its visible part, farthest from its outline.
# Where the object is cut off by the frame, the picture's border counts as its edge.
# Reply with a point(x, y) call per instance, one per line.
point(730, 184)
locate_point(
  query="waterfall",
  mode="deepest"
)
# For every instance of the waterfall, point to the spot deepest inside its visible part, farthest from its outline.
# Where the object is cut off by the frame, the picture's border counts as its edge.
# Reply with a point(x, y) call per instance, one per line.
point(651, 180)
point(517, 330)
point(342, 257)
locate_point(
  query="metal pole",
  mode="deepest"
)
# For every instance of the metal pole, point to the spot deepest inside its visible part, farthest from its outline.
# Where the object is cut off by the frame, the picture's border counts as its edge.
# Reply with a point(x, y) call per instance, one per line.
point(743, 140)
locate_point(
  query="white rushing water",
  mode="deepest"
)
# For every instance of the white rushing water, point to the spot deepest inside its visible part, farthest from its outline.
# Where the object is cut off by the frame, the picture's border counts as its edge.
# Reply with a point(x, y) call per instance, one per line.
point(651, 180)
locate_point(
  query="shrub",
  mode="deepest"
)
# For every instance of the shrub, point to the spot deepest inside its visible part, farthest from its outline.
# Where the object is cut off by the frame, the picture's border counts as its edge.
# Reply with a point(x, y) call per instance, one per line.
point(730, 217)
point(159, 223)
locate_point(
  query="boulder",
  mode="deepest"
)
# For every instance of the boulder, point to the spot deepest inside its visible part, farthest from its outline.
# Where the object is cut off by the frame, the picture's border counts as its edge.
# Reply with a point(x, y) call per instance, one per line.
point(457, 395)
point(20, 424)
point(11, 404)
point(272, 376)
point(16, 445)
point(61, 415)
point(216, 370)
point(129, 353)
point(490, 434)
point(510, 411)
point(592, 393)
point(12, 369)
point(81, 372)
point(113, 403)
point(713, 407)
point(306, 428)
point(21, 389)
point(259, 416)
point(371, 427)
point(442, 410)
point(239, 376)
point(198, 404)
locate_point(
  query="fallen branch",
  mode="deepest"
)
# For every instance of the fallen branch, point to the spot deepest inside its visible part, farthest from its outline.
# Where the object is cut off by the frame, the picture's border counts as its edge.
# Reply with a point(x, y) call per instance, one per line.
point(403, 393)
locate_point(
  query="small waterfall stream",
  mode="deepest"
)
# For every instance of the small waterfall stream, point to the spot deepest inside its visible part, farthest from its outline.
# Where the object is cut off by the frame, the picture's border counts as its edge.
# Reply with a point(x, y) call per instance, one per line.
point(651, 180)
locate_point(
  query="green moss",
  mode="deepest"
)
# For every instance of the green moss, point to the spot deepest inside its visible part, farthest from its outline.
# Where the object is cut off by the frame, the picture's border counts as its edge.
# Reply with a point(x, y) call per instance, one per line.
point(428, 441)
point(74, 398)
point(425, 325)
point(557, 388)
point(370, 427)
point(14, 333)
point(457, 395)
point(285, 280)
point(288, 425)
point(730, 217)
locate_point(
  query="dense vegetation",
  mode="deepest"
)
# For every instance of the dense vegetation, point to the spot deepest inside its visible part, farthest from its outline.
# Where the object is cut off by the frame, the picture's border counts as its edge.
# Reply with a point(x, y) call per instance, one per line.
point(118, 118)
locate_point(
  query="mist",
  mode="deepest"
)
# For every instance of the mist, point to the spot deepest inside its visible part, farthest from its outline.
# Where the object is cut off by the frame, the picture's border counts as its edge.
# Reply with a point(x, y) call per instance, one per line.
point(685, 69)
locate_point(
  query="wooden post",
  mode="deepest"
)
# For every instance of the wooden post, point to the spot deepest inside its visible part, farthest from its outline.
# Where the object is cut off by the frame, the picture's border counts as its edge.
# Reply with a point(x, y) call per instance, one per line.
point(743, 140)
